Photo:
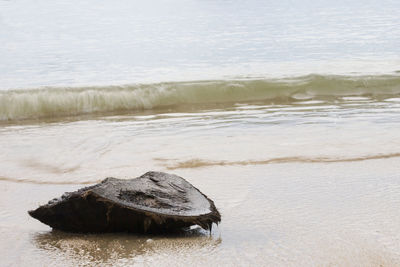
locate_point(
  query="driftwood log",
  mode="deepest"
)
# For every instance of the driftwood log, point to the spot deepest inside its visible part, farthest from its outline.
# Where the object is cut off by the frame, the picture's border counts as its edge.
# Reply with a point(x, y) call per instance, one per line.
point(155, 202)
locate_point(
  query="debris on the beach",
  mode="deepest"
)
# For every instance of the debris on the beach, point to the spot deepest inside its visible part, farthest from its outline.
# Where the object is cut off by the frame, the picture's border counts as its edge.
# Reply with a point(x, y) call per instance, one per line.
point(155, 202)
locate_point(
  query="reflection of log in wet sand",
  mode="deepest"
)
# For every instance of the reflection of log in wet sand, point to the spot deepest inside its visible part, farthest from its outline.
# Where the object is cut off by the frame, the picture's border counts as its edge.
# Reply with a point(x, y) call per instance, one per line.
point(110, 249)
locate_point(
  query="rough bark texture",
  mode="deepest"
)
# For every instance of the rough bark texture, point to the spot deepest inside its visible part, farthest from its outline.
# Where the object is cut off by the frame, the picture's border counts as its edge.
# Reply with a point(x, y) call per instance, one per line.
point(155, 202)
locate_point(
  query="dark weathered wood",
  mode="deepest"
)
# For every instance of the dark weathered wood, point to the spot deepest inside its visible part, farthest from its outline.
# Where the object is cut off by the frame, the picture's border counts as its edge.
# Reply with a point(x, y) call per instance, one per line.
point(155, 202)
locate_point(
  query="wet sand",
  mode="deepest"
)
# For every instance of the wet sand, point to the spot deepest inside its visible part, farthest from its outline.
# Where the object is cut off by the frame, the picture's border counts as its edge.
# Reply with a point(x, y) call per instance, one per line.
point(309, 183)
point(284, 214)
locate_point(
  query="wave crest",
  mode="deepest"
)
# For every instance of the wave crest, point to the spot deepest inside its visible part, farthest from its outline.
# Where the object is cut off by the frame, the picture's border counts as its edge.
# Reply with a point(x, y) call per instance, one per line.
point(59, 102)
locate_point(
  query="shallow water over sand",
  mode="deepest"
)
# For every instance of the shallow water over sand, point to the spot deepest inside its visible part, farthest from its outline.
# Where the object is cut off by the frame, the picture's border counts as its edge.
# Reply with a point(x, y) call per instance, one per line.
point(305, 183)
point(290, 214)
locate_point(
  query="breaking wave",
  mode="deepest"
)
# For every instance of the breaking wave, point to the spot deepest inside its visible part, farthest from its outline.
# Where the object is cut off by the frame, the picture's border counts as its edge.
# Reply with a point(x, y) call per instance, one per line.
point(52, 102)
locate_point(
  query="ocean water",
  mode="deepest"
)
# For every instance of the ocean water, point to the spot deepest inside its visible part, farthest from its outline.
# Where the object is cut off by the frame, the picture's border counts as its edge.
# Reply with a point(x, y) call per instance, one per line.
point(286, 114)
